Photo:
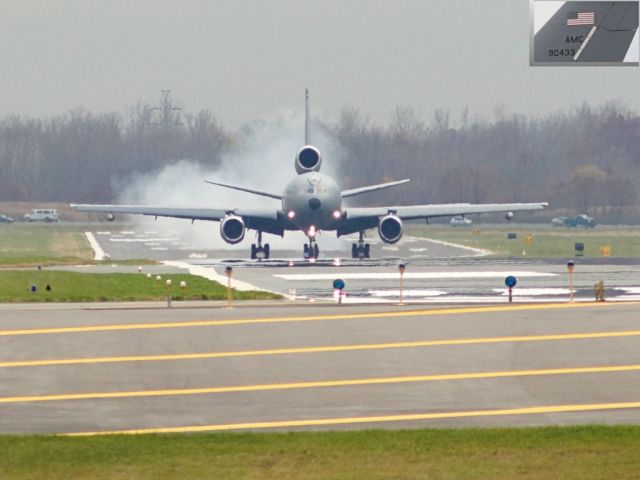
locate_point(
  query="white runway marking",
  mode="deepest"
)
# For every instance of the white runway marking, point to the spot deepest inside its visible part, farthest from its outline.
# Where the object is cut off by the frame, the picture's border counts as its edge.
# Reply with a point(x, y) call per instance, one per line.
point(478, 252)
point(98, 252)
point(407, 293)
point(211, 274)
point(142, 239)
point(410, 275)
point(532, 291)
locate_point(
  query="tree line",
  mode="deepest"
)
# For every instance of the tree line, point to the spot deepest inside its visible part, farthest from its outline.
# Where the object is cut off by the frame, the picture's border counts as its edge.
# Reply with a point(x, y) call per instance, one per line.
point(582, 159)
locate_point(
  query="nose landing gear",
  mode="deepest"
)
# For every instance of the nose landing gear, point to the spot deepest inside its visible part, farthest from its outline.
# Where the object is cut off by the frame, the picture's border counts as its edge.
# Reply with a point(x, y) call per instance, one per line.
point(311, 249)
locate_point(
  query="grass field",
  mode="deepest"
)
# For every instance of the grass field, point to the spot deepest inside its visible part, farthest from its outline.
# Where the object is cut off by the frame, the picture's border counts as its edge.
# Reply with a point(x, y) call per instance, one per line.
point(544, 242)
point(15, 286)
point(43, 244)
point(591, 452)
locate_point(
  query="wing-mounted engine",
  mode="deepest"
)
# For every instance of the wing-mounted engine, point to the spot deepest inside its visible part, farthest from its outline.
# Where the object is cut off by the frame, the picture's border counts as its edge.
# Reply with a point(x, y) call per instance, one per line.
point(232, 229)
point(308, 159)
point(390, 228)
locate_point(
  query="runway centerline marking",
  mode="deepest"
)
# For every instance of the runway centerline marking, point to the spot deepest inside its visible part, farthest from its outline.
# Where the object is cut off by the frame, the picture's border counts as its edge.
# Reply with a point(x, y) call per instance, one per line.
point(318, 384)
point(317, 422)
point(310, 318)
point(319, 349)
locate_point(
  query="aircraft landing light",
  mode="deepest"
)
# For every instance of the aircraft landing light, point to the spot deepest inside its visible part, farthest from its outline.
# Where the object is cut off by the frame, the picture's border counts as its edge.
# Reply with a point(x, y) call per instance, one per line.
point(337, 214)
point(291, 214)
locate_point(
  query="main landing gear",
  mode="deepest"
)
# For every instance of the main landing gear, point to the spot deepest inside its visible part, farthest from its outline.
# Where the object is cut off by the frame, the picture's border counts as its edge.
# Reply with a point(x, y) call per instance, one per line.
point(360, 249)
point(258, 251)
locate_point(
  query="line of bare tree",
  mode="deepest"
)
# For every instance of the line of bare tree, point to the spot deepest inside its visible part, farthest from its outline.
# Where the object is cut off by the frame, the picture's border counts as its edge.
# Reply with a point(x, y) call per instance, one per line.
point(585, 158)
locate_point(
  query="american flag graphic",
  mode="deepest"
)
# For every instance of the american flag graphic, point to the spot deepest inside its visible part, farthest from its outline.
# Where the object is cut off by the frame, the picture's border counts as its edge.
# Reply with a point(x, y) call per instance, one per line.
point(581, 18)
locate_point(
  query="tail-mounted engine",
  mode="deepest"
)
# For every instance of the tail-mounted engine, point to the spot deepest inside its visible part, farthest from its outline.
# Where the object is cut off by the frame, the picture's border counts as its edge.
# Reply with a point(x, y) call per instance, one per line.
point(390, 229)
point(308, 159)
point(232, 229)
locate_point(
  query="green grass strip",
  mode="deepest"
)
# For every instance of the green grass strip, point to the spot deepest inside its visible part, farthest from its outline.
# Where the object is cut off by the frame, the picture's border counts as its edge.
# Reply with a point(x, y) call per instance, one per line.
point(584, 452)
point(15, 286)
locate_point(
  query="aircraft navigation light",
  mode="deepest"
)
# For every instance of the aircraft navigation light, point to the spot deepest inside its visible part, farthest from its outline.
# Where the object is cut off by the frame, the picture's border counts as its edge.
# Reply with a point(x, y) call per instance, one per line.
point(337, 214)
point(291, 214)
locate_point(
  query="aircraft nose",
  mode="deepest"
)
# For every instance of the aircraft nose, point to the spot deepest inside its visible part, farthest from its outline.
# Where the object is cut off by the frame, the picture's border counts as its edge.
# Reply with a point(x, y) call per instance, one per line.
point(314, 203)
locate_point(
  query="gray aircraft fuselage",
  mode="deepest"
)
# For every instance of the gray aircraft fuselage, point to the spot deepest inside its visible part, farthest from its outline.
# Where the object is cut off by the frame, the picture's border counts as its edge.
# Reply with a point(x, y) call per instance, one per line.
point(312, 200)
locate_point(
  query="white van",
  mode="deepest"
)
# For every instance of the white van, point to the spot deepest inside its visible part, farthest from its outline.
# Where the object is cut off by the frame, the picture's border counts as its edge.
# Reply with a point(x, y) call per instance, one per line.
point(42, 215)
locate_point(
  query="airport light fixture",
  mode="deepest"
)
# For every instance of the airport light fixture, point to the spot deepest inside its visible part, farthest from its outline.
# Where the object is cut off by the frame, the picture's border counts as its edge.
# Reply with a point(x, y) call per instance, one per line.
point(401, 268)
point(228, 272)
point(570, 268)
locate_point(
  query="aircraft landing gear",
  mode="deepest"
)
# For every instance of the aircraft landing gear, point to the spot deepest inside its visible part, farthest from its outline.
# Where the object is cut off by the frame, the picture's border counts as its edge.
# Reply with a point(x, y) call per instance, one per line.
point(258, 251)
point(311, 249)
point(360, 249)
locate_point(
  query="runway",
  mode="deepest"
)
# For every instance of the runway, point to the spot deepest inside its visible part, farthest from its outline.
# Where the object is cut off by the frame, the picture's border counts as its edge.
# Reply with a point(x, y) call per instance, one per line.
point(456, 354)
point(86, 369)
point(436, 272)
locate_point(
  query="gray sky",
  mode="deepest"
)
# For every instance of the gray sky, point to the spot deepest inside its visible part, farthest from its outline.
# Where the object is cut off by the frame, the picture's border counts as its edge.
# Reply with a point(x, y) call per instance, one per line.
point(248, 59)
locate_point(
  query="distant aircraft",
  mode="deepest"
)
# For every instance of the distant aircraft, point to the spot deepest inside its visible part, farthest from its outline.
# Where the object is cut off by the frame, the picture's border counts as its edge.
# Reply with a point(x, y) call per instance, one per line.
point(311, 202)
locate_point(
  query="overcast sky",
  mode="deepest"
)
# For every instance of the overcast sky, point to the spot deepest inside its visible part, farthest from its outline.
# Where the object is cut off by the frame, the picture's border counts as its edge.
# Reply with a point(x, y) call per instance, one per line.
point(248, 59)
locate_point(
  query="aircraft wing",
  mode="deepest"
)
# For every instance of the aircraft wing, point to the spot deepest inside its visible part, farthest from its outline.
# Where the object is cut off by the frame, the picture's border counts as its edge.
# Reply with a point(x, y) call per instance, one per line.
point(371, 188)
point(361, 218)
point(264, 219)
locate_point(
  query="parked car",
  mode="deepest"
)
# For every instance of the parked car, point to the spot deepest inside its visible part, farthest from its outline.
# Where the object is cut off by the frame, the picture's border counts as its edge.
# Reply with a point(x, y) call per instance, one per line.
point(460, 221)
point(559, 222)
point(5, 219)
point(582, 220)
point(42, 215)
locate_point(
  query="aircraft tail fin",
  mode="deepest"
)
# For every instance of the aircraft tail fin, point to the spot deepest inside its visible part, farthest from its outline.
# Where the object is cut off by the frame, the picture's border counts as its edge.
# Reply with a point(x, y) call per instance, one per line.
point(372, 188)
point(307, 120)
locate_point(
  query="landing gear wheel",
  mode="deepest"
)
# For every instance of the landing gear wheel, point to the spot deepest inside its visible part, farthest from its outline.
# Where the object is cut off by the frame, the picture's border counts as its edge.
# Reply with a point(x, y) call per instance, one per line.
point(254, 251)
point(267, 251)
point(306, 251)
point(366, 250)
point(316, 251)
point(354, 250)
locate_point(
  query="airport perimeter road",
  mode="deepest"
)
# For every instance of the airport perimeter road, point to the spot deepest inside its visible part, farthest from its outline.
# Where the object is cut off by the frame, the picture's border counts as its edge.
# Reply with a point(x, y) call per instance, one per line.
point(83, 370)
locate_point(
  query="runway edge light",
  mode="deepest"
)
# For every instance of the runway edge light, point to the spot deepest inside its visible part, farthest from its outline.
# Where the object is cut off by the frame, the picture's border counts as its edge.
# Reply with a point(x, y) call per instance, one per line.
point(338, 286)
point(510, 282)
point(401, 268)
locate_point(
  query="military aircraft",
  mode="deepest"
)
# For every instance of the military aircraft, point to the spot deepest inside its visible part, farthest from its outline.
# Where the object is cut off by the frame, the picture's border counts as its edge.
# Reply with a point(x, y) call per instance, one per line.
point(311, 202)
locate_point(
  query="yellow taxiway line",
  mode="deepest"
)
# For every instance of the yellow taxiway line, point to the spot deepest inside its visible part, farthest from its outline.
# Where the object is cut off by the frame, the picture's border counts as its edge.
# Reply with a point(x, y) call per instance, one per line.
point(318, 349)
point(318, 422)
point(311, 318)
point(318, 384)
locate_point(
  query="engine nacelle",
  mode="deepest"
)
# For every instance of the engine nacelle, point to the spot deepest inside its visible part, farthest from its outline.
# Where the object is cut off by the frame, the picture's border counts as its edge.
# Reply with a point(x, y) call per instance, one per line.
point(509, 216)
point(308, 160)
point(232, 229)
point(390, 229)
